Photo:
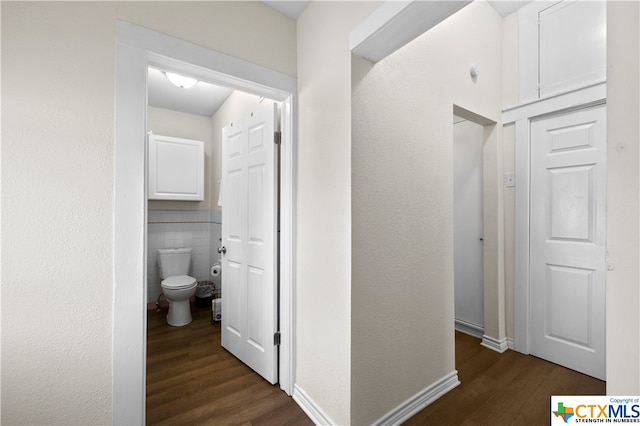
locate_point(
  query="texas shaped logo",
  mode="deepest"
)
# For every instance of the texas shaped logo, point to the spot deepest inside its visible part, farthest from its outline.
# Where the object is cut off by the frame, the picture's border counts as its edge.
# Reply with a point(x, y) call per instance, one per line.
point(565, 412)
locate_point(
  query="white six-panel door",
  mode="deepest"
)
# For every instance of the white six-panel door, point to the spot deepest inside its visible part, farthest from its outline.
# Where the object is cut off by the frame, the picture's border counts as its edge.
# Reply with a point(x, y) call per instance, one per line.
point(249, 300)
point(568, 207)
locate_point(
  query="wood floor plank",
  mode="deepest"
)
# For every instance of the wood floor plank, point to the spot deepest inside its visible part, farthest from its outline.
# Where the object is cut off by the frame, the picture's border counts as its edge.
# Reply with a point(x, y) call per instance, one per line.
point(192, 380)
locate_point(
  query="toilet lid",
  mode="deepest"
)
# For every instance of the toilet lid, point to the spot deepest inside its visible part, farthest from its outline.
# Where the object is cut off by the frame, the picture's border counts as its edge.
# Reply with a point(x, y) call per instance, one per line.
point(178, 282)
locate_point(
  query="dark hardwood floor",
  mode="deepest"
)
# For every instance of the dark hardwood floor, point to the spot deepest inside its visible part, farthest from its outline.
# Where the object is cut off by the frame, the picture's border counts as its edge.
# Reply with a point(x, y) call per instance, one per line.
point(191, 380)
point(503, 389)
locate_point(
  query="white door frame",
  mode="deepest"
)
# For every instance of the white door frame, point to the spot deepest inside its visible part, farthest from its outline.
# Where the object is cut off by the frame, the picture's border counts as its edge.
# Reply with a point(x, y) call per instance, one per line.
point(137, 48)
point(522, 116)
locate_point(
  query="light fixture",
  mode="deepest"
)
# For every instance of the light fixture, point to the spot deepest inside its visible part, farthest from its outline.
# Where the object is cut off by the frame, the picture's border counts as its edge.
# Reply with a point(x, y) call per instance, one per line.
point(180, 80)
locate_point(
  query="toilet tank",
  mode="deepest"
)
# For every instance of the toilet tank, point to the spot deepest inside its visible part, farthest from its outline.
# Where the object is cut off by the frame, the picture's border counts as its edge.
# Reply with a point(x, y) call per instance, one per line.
point(173, 262)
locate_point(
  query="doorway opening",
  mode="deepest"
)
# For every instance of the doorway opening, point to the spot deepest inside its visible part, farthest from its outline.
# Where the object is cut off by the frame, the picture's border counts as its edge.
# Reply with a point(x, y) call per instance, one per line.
point(137, 48)
point(479, 249)
point(468, 234)
point(233, 225)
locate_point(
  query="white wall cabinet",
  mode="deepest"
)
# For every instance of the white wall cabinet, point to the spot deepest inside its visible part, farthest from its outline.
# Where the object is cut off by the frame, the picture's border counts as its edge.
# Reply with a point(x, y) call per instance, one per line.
point(563, 47)
point(176, 169)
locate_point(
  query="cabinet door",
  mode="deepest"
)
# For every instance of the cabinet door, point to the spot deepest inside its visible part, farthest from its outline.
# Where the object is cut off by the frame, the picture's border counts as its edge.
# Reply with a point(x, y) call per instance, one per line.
point(563, 47)
point(176, 169)
point(573, 46)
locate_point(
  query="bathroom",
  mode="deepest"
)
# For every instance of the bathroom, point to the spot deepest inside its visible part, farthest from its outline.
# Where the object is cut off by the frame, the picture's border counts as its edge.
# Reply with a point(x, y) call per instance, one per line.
point(198, 113)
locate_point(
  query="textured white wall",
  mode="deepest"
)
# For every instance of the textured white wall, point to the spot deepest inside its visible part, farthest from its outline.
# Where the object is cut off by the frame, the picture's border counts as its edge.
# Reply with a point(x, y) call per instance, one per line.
point(323, 281)
point(402, 201)
point(510, 61)
point(623, 198)
point(247, 30)
point(57, 177)
point(58, 105)
point(188, 126)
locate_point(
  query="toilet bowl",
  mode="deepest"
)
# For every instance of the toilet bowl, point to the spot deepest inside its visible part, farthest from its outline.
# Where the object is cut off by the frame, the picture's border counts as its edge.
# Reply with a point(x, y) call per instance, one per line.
point(178, 291)
point(177, 286)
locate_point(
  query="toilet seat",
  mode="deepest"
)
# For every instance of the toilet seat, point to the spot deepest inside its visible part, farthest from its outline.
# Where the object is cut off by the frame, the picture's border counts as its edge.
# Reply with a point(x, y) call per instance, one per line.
point(179, 282)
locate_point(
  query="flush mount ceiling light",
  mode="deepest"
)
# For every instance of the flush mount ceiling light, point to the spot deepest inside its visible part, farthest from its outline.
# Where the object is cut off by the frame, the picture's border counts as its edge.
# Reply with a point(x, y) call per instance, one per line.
point(180, 80)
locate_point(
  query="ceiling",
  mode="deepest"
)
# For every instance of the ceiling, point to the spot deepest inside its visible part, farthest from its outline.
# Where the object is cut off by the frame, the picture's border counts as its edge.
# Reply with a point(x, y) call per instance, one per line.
point(507, 7)
point(293, 8)
point(204, 99)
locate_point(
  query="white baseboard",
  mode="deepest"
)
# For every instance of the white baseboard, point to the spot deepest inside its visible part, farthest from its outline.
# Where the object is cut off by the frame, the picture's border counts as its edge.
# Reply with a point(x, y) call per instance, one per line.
point(511, 343)
point(419, 401)
point(493, 344)
point(309, 406)
point(469, 328)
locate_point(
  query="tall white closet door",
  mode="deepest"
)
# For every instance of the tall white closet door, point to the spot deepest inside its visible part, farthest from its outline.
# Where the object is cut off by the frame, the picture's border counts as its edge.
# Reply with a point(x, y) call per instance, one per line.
point(567, 265)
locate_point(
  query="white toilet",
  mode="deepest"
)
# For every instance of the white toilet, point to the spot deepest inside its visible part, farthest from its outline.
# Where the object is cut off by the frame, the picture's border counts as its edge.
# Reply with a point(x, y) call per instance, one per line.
point(177, 285)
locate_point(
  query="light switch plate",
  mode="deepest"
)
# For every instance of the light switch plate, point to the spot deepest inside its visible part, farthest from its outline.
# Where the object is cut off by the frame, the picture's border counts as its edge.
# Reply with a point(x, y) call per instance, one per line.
point(509, 180)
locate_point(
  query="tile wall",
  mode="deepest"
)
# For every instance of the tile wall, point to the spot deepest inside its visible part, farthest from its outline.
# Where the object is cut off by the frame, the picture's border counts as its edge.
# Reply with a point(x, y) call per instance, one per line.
point(198, 229)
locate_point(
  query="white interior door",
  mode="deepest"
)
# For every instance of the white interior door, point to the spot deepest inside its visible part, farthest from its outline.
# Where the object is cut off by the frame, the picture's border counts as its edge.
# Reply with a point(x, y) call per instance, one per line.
point(567, 265)
point(468, 230)
point(249, 301)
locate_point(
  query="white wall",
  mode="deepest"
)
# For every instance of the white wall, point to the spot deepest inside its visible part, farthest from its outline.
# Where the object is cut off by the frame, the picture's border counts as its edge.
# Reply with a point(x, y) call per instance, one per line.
point(510, 61)
point(246, 30)
point(623, 199)
point(402, 201)
point(58, 105)
point(57, 177)
point(323, 280)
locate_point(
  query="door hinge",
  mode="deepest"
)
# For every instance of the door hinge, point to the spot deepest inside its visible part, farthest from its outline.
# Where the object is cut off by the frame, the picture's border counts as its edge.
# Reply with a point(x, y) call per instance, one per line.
point(276, 339)
point(277, 138)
